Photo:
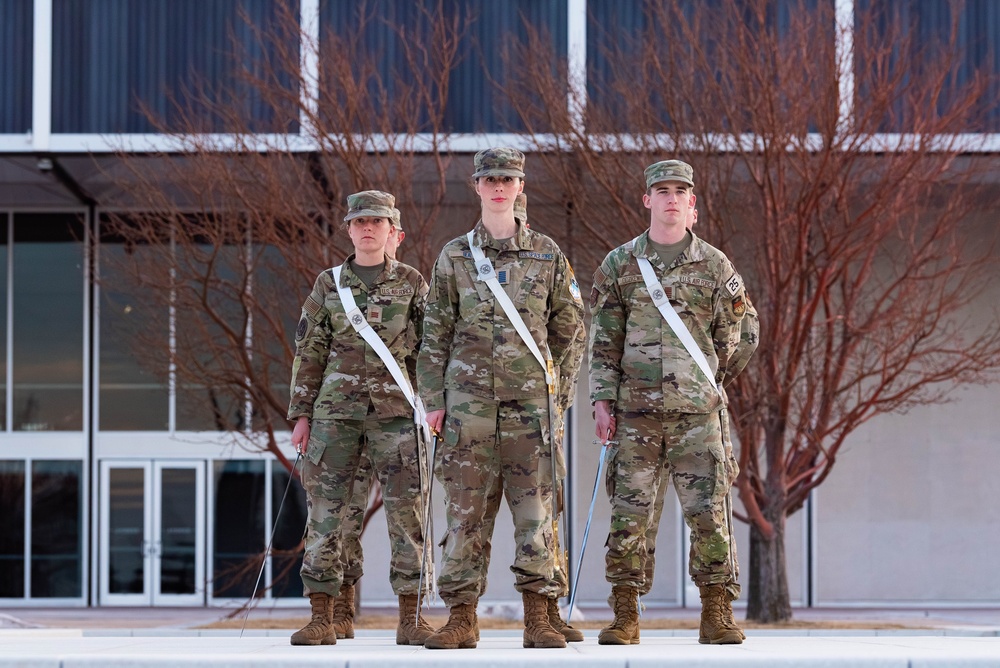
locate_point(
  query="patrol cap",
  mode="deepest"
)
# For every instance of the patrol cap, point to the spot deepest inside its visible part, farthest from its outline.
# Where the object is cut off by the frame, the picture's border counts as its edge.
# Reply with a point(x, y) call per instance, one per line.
point(669, 170)
point(395, 219)
point(372, 203)
point(521, 208)
point(499, 161)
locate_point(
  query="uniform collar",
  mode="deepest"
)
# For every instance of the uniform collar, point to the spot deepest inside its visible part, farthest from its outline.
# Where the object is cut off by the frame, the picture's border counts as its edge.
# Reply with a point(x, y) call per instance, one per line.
point(520, 241)
point(349, 279)
point(693, 253)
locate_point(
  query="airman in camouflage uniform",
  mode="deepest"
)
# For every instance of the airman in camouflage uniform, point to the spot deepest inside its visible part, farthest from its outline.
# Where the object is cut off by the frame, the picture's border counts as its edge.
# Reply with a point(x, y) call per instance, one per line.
point(749, 334)
point(647, 389)
point(495, 495)
point(486, 394)
point(344, 401)
point(352, 555)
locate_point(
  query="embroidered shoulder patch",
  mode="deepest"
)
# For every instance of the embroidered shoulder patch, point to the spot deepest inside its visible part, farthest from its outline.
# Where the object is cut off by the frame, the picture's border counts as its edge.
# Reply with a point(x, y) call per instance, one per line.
point(535, 255)
point(303, 328)
point(311, 306)
point(734, 284)
point(600, 279)
point(739, 306)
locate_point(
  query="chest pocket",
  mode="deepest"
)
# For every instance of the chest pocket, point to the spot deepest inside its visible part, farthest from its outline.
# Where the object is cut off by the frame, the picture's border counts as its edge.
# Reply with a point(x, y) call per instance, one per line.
point(391, 305)
point(467, 283)
point(532, 290)
point(693, 294)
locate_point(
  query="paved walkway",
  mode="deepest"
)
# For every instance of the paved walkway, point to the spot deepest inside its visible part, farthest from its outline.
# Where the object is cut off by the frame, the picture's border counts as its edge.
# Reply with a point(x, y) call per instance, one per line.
point(158, 637)
point(497, 649)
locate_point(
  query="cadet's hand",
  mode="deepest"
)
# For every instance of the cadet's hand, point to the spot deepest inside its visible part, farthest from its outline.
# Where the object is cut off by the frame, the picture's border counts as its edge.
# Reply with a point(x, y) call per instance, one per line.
point(300, 434)
point(605, 421)
point(435, 420)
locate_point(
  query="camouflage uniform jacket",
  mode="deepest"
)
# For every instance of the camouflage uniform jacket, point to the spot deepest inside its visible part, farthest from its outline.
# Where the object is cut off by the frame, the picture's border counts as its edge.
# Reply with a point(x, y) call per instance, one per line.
point(636, 360)
point(335, 373)
point(469, 343)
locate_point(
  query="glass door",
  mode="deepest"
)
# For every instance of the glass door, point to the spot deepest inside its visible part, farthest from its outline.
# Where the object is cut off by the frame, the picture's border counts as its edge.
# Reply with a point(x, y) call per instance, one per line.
point(152, 533)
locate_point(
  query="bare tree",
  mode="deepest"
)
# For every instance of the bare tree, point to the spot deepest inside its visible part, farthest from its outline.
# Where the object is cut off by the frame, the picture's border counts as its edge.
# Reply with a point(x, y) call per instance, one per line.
point(850, 212)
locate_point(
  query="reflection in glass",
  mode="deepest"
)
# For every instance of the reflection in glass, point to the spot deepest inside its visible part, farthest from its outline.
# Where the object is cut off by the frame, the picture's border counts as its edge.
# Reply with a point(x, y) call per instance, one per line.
point(12, 529)
point(133, 345)
point(239, 526)
point(48, 322)
point(213, 402)
point(126, 527)
point(56, 529)
point(287, 548)
point(178, 508)
point(274, 331)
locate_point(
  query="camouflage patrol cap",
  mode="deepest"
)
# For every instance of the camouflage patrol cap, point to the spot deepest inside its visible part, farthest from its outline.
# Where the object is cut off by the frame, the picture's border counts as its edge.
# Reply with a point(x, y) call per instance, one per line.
point(394, 219)
point(372, 203)
point(499, 161)
point(669, 170)
point(521, 208)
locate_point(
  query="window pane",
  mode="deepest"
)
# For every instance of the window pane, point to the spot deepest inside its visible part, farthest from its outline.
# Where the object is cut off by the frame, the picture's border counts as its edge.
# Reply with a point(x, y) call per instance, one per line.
point(239, 527)
point(48, 322)
point(209, 394)
point(649, 63)
point(133, 340)
point(16, 46)
point(476, 102)
point(127, 530)
point(287, 551)
point(178, 528)
point(273, 335)
point(56, 529)
point(4, 249)
point(12, 529)
point(190, 64)
point(904, 47)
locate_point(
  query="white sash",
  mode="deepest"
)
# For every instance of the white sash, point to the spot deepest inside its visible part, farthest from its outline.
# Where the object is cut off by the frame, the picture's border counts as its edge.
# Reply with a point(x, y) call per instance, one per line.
point(488, 275)
point(360, 324)
point(662, 303)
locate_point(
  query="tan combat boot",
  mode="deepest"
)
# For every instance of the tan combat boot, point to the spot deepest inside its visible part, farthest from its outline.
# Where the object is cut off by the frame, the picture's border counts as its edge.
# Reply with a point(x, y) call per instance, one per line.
point(411, 630)
point(459, 632)
point(538, 632)
point(717, 624)
point(560, 625)
point(319, 630)
point(624, 630)
point(343, 612)
point(475, 619)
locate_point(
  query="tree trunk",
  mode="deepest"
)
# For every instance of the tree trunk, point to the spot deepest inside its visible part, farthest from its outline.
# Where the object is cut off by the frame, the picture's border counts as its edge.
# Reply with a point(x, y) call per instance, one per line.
point(768, 601)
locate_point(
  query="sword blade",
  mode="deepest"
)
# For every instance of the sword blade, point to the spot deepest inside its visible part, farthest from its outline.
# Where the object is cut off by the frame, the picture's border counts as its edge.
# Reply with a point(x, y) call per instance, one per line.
point(270, 541)
point(586, 532)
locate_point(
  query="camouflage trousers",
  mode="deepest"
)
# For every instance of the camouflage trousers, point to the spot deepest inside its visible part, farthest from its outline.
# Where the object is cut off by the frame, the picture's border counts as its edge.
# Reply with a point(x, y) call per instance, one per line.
point(493, 499)
point(691, 451)
point(352, 556)
point(489, 446)
point(329, 477)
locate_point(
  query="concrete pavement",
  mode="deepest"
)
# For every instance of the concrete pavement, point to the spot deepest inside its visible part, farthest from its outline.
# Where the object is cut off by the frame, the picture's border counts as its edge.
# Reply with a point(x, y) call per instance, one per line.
point(497, 649)
point(159, 637)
